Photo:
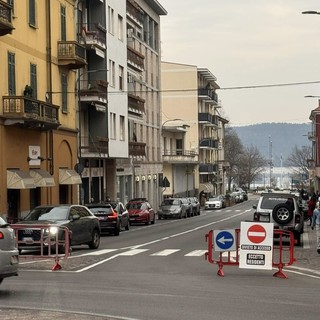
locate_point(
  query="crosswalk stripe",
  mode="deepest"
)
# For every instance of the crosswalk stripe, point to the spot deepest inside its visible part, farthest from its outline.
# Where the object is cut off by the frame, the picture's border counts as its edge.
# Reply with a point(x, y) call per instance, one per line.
point(165, 252)
point(99, 252)
point(196, 253)
point(132, 252)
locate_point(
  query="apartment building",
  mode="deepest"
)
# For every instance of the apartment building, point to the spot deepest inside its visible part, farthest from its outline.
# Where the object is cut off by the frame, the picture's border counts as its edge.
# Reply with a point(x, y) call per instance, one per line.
point(313, 136)
point(39, 57)
point(193, 131)
point(139, 175)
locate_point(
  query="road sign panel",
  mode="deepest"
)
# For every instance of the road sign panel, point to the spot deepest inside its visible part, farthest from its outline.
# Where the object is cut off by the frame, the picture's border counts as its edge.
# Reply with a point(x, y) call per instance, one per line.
point(257, 233)
point(224, 240)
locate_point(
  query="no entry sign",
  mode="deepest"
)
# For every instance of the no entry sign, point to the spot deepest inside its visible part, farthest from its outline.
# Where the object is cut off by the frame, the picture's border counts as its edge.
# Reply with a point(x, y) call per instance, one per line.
point(256, 245)
point(256, 233)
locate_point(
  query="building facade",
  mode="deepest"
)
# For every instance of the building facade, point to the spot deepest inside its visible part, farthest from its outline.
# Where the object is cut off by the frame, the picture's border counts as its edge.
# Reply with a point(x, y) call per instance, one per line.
point(193, 131)
point(38, 120)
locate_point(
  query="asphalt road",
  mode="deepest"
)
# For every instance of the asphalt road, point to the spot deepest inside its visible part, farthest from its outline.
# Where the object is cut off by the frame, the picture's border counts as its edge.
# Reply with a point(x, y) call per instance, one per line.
point(159, 272)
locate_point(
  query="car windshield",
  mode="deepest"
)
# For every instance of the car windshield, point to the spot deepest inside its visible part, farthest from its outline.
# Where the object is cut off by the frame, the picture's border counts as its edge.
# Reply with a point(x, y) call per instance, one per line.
point(48, 213)
point(271, 202)
point(170, 202)
point(136, 206)
point(214, 199)
point(101, 210)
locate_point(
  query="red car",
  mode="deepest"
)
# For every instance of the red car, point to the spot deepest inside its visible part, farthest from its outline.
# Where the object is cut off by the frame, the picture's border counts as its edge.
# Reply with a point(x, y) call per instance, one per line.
point(140, 211)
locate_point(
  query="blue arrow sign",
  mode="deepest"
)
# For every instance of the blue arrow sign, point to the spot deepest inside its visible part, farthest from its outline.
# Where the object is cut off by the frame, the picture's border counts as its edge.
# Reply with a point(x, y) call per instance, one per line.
point(224, 240)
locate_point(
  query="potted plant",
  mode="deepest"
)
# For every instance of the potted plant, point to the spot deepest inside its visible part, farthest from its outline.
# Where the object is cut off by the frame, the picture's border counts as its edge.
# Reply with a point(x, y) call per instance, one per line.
point(28, 91)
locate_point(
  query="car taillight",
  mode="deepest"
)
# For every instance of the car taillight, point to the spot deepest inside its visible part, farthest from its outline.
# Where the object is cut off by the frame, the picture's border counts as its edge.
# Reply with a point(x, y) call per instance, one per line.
point(1, 236)
point(255, 216)
point(114, 214)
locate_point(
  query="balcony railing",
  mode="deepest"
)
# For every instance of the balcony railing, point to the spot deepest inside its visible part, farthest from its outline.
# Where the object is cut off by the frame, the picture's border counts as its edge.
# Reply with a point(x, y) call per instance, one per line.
point(208, 168)
point(209, 144)
point(137, 148)
point(32, 112)
point(134, 12)
point(71, 54)
point(136, 105)
point(93, 35)
point(180, 156)
point(135, 59)
point(208, 94)
point(6, 25)
point(208, 118)
point(94, 91)
point(94, 145)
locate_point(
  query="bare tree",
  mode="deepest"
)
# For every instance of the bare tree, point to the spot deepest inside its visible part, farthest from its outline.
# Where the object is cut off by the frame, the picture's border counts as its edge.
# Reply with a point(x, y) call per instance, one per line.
point(233, 149)
point(298, 159)
point(252, 165)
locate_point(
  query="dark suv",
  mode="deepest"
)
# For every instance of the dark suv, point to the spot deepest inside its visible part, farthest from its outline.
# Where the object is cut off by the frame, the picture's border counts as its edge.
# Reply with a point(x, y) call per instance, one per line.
point(282, 209)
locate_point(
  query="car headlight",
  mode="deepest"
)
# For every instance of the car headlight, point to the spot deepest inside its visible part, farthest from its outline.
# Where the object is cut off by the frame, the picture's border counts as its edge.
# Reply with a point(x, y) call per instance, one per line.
point(52, 231)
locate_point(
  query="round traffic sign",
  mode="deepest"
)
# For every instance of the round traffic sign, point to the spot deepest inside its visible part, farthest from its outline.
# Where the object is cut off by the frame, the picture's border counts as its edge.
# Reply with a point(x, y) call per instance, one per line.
point(256, 233)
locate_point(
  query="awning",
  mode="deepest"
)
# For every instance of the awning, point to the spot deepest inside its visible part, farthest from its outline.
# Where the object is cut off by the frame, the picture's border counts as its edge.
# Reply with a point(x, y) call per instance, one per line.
point(69, 176)
point(42, 178)
point(206, 187)
point(18, 179)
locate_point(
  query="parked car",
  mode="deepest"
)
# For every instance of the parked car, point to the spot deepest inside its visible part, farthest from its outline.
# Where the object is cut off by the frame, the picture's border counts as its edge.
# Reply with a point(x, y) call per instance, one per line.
point(82, 223)
point(195, 206)
point(140, 211)
point(282, 209)
point(173, 208)
point(216, 202)
point(112, 216)
point(237, 196)
point(9, 254)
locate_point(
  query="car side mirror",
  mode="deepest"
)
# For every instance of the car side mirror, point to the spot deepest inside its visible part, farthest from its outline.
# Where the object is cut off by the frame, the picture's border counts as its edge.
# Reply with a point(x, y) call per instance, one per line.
point(254, 207)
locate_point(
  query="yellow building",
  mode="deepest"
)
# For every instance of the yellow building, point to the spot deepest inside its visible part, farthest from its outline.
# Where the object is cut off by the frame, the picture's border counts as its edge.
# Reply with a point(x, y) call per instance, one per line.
point(38, 111)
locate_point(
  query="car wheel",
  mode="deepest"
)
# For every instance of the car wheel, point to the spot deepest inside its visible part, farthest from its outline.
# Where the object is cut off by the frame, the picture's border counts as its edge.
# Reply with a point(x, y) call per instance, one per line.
point(1, 279)
point(127, 226)
point(297, 237)
point(282, 214)
point(95, 239)
point(154, 220)
point(159, 217)
point(117, 231)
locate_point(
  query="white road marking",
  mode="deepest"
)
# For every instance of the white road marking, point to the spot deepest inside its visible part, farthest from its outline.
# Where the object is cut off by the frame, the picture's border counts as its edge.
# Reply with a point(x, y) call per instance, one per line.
point(132, 252)
point(165, 252)
point(196, 253)
point(97, 253)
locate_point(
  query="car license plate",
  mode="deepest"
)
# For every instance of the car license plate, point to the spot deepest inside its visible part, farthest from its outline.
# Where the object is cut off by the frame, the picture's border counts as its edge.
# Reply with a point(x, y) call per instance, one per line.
point(14, 260)
point(28, 240)
point(264, 219)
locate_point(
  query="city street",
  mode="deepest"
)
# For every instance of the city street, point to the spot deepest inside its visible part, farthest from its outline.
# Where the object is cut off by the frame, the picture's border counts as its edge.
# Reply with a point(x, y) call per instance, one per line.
point(160, 272)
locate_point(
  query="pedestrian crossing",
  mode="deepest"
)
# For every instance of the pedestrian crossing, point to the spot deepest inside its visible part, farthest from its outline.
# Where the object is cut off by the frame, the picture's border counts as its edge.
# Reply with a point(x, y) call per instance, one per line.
point(134, 252)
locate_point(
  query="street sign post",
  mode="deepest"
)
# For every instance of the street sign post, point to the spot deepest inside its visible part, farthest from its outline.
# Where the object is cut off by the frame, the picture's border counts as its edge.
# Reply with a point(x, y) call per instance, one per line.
point(224, 240)
point(256, 245)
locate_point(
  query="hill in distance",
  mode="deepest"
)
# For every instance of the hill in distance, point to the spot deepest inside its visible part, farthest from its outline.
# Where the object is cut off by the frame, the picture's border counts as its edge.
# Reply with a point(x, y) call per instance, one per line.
point(275, 139)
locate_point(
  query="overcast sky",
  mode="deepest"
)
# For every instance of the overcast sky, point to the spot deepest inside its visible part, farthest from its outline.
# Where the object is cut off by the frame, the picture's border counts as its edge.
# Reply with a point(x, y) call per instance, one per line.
point(250, 43)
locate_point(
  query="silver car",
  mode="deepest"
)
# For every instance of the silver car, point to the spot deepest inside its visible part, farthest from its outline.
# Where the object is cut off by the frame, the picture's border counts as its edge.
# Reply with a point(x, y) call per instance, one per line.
point(9, 255)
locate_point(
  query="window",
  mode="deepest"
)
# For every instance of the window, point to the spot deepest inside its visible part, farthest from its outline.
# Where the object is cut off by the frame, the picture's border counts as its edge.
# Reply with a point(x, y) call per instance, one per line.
point(63, 23)
point(113, 125)
point(111, 20)
point(64, 93)
point(33, 80)
point(121, 84)
point(32, 13)
point(111, 73)
point(11, 3)
point(11, 74)
point(122, 128)
point(120, 28)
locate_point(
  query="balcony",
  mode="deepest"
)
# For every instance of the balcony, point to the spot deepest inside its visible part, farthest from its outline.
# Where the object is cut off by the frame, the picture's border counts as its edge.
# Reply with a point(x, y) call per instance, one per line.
point(94, 146)
point(134, 13)
point(207, 168)
point(208, 95)
point(71, 54)
point(137, 149)
point(94, 37)
point(29, 113)
point(179, 156)
point(208, 119)
point(207, 143)
point(94, 92)
point(135, 59)
point(6, 25)
point(136, 105)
